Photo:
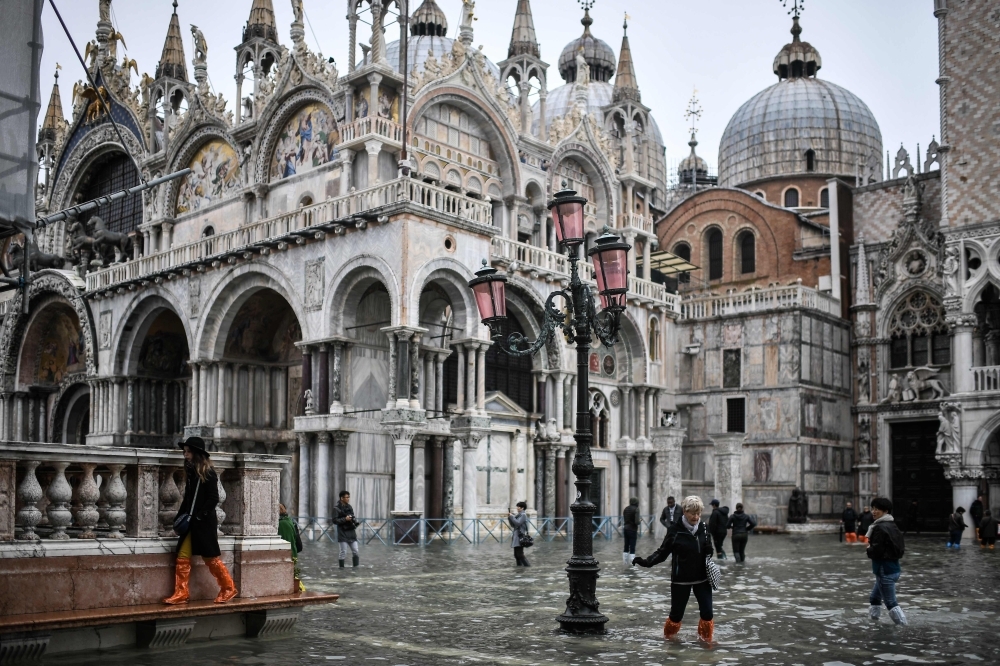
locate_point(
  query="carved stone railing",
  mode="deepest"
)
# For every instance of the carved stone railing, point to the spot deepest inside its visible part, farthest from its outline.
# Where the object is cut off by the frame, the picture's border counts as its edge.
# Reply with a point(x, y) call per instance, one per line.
point(640, 222)
point(517, 256)
point(986, 378)
point(758, 300)
point(363, 128)
point(284, 230)
point(53, 492)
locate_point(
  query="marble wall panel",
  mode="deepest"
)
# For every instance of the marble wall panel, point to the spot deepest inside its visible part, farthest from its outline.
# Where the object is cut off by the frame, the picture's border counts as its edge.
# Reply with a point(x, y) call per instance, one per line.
point(713, 335)
point(767, 421)
point(713, 368)
point(807, 331)
point(789, 363)
point(369, 373)
point(815, 364)
point(754, 361)
point(827, 367)
point(771, 365)
point(698, 425)
point(827, 335)
point(838, 370)
point(715, 408)
point(771, 329)
point(790, 326)
point(766, 505)
point(807, 365)
point(732, 335)
point(492, 465)
point(785, 464)
point(753, 331)
point(371, 494)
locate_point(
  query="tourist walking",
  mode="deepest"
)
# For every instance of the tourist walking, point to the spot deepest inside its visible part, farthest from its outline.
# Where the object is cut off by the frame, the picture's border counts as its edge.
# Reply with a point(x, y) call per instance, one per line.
point(346, 523)
point(688, 541)
point(630, 527)
point(717, 527)
point(519, 524)
point(976, 513)
point(864, 523)
point(849, 519)
point(956, 525)
point(741, 524)
point(988, 530)
point(885, 548)
point(289, 531)
point(197, 525)
point(671, 512)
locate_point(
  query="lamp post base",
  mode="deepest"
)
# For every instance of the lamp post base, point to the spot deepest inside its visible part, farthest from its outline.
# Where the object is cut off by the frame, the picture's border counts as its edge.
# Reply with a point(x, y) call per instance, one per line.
point(581, 615)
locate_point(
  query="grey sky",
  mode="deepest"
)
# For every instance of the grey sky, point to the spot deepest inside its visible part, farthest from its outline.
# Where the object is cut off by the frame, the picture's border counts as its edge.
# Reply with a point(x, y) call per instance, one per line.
point(884, 51)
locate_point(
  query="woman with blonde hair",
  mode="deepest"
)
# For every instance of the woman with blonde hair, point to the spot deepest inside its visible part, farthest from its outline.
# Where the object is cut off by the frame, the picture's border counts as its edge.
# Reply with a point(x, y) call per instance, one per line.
point(197, 525)
point(688, 541)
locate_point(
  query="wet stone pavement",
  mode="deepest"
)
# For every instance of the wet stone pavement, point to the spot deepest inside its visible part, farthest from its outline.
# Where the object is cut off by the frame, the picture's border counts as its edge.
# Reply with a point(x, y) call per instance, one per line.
point(797, 600)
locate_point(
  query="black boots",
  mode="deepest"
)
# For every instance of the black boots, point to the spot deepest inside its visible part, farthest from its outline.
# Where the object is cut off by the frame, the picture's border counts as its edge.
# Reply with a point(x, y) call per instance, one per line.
point(523, 561)
point(354, 560)
point(341, 564)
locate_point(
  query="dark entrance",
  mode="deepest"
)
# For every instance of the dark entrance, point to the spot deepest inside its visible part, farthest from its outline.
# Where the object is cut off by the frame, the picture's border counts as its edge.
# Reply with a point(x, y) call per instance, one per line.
point(917, 476)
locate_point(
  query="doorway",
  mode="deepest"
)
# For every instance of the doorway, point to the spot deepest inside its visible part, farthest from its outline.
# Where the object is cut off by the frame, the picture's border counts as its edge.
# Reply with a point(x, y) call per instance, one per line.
point(918, 477)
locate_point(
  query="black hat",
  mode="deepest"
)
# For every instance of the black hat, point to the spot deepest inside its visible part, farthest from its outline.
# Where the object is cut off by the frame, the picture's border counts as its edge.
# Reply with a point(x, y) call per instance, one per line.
point(196, 444)
point(714, 502)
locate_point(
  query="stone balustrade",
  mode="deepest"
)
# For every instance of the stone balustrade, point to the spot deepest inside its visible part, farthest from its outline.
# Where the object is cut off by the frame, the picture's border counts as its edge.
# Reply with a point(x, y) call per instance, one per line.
point(986, 378)
point(758, 300)
point(371, 126)
point(282, 231)
point(642, 223)
point(54, 493)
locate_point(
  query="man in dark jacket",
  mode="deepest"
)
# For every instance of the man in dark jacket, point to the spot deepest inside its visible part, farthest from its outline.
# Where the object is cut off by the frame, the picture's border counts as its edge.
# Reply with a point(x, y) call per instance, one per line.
point(988, 530)
point(885, 548)
point(630, 527)
point(671, 513)
point(741, 524)
point(717, 527)
point(346, 525)
point(956, 525)
point(976, 513)
point(865, 522)
point(849, 519)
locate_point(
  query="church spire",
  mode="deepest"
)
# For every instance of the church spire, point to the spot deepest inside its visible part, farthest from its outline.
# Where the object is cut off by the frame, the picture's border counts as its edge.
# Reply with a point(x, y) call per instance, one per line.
point(523, 39)
point(626, 84)
point(172, 59)
point(54, 118)
point(261, 22)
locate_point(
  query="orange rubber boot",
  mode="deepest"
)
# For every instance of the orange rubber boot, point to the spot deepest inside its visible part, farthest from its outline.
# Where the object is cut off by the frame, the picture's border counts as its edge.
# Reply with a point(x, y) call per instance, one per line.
point(227, 589)
point(705, 630)
point(670, 628)
point(182, 574)
point(851, 537)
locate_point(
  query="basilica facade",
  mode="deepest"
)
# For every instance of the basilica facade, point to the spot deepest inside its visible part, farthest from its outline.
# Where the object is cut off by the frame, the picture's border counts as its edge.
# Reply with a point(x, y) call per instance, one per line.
point(302, 291)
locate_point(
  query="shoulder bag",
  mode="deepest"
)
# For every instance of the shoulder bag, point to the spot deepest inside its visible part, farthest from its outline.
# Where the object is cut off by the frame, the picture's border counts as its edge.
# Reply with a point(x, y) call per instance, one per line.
point(714, 574)
point(182, 523)
point(527, 541)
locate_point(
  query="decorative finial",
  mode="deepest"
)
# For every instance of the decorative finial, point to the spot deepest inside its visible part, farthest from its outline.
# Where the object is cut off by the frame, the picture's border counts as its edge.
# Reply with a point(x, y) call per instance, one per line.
point(797, 7)
point(586, 20)
point(587, 5)
point(175, 6)
point(484, 263)
point(58, 67)
point(625, 24)
point(693, 112)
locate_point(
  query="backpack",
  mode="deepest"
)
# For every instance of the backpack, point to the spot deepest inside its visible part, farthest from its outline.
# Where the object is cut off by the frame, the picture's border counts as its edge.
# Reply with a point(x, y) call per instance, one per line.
point(893, 549)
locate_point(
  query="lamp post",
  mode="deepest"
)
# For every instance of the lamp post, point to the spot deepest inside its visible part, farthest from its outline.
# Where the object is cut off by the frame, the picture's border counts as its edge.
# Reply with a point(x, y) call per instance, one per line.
point(609, 257)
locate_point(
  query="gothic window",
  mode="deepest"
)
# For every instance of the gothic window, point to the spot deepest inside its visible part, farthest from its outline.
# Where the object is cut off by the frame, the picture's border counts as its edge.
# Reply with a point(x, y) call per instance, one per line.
point(791, 198)
point(112, 174)
point(748, 253)
point(918, 334)
point(824, 198)
point(683, 250)
point(509, 374)
point(810, 160)
point(654, 339)
point(577, 179)
point(714, 238)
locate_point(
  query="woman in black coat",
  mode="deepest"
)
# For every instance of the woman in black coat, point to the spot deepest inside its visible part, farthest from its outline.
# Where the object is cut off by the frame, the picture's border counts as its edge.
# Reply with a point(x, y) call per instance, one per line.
point(201, 491)
point(688, 541)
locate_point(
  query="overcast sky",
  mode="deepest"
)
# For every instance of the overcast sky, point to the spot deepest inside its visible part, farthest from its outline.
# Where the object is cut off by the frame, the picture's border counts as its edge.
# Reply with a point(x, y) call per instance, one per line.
point(884, 51)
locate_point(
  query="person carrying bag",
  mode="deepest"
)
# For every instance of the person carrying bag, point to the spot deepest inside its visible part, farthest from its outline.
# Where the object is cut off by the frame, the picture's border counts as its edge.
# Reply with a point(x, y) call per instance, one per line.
point(520, 539)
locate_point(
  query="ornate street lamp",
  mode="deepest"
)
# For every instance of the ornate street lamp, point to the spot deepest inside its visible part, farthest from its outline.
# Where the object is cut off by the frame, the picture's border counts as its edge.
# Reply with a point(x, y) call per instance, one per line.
point(609, 256)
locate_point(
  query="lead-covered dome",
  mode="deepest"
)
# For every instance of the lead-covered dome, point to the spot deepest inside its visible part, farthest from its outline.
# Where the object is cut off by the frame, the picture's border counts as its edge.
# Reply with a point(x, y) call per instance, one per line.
point(598, 54)
point(799, 126)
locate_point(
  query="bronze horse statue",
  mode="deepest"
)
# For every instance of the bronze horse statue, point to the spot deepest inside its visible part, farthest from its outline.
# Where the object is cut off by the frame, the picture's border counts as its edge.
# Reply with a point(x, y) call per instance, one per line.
point(37, 260)
point(103, 237)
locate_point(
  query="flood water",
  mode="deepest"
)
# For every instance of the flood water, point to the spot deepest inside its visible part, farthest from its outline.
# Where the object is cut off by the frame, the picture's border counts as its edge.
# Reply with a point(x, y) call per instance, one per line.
point(796, 600)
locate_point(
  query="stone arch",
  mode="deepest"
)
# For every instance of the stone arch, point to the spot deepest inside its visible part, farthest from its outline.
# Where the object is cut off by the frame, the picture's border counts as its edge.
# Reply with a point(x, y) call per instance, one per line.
point(15, 324)
point(974, 293)
point(140, 313)
point(975, 450)
point(453, 277)
point(95, 144)
point(234, 288)
point(185, 152)
point(352, 279)
point(894, 299)
point(497, 128)
point(70, 419)
point(635, 348)
point(594, 166)
point(276, 117)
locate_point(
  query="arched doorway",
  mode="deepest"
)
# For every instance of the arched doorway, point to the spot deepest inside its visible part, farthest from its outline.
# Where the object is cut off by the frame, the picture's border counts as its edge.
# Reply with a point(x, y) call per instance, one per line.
point(159, 375)
point(920, 491)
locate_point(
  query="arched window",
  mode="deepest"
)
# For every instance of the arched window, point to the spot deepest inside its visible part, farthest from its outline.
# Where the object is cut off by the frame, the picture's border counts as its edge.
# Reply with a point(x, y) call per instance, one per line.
point(509, 374)
point(683, 250)
point(918, 334)
point(824, 198)
point(654, 339)
point(810, 160)
point(761, 194)
point(208, 231)
point(748, 253)
point(305, 201)
point(110, 174)
point(791, 198)
point(714, 239)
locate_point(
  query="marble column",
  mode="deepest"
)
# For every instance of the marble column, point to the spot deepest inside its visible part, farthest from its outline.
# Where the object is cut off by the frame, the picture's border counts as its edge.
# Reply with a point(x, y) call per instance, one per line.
point(203, 402)
point(530, 472)
point(448, 474)
point(130, 407)
point(667, 443)
point(963, 360)
point(339, 462)
point(288, 481)
point(549, 485)
point(307, 373)
point(624, 478)
point(268, 395)
point(562, 508)
point(560, 400)
point(439, 359)
point(116, 416)
point(220, 395)
point(338, 371)
point(470, 376)
point(470, 477)
point(460, 399)
point(419, 471)
point(481, 377)
point(728, 460)
point(415, 371)
point(641, 420)
point(643, 482)
point(402, 438)
point(304, 476)
point(430, 385)
point(321, 477)
point(435, 502)
point(235, 415)
point(323, 399)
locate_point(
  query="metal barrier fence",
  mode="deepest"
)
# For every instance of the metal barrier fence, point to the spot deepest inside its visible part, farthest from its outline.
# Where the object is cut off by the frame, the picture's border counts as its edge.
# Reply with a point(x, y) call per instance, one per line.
point(424, 531)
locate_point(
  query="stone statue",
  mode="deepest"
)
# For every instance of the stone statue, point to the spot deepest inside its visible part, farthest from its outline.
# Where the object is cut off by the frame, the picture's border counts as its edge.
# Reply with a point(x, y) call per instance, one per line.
point(468, 16)
point(297, 10)
point(310, 406)
point(548, 432)
point(864, 382)
point(668, 419)
point(923, 379)
point(104, 7)
point(893, 392)
point(582, 68)
point(949, 429)
point(950, 270)
point(200, 45)
point(865, 442)
point(798, 507)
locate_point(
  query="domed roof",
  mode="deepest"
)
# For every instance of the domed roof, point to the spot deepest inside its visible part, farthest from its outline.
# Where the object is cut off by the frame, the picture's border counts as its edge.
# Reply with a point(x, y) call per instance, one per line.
point(561, 100)
point(598, 54)
point(693, 162)
point(418, 49)
point(770, 134)
point(429, 20)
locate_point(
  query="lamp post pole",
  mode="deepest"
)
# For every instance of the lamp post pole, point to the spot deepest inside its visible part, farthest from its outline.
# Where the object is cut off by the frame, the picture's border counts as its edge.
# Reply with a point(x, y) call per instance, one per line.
point(610, 270)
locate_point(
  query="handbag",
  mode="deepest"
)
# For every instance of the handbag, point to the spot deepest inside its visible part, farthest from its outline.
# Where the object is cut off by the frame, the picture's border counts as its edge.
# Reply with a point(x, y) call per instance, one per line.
point(182, 523)
point(527, 541)
point(714, 573)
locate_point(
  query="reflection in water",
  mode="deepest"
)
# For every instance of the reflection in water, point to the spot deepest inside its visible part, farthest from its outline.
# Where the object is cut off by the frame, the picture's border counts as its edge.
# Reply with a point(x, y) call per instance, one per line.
point(797, 600)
